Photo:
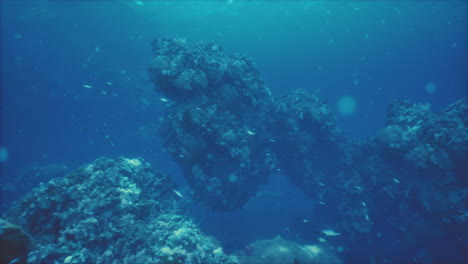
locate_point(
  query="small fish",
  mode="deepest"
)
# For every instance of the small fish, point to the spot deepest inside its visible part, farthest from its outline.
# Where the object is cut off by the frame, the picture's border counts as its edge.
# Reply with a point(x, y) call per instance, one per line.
point(163, 99)
point(109, 83)
point(330, 233)
point(87, 86)
point(218, 251)
point(15, 261)
point(178, 193)
point(250, 132)
point(396, 180)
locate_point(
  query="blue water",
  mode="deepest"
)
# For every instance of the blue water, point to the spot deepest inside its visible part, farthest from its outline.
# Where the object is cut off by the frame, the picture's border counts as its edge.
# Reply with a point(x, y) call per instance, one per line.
point(374, 52)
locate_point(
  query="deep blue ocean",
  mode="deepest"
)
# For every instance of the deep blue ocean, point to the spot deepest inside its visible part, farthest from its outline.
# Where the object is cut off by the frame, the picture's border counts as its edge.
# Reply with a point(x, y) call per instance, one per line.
point(75, 87)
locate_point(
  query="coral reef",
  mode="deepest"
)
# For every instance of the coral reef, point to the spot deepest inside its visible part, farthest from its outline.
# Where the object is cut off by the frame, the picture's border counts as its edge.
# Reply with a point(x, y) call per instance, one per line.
point(411, 181)
point(228, 134)
point(425, 139)
point(419, 150)
point(112, 211)
point(407, 183)
point(311, 149)
point(214, 130)
point(17, 185)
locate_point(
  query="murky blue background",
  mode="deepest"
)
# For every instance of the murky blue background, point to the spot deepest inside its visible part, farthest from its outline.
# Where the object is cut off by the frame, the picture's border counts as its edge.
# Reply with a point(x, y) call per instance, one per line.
point(373, 52)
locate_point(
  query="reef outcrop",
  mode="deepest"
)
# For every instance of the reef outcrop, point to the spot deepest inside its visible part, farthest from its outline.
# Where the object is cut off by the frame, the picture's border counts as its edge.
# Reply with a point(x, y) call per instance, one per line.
point(216, 127)
point(409, 182)
point(229, 134)
point(312, 151)
point(112, 211)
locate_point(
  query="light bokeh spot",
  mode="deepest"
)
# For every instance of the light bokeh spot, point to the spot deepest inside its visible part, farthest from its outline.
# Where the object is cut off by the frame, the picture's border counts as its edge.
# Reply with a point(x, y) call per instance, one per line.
point(3, 154)
point(346, 105)
point(430, 88)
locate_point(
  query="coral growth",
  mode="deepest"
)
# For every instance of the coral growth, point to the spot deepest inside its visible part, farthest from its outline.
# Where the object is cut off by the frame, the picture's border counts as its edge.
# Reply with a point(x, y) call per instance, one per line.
point(112, 211)
point(229, 134)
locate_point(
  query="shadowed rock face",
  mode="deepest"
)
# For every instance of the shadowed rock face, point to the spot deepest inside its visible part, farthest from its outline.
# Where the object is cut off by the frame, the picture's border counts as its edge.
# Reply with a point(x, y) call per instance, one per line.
point(311, 149)
point(14, 243)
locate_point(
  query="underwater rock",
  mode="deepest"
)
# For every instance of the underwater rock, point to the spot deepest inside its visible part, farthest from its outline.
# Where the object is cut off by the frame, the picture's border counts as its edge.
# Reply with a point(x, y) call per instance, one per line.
point(14, 243)
point(424, 139)
point(281, 251)
point(419, 148)
point(215, 130)
point(185, 73)
point(228, 134)
point(412, 177)
point(112, 211)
